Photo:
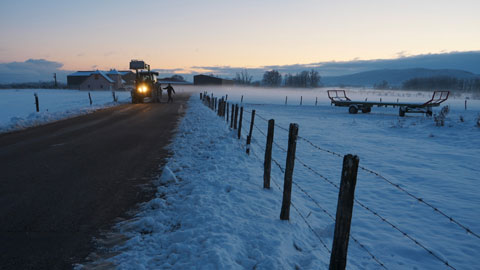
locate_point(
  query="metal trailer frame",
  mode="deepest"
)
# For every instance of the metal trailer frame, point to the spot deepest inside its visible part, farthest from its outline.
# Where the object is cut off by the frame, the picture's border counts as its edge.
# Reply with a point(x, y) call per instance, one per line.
point(339, 98)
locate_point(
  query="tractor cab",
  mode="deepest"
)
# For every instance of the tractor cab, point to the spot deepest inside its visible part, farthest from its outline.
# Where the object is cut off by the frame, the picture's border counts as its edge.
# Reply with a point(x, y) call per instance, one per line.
point(145, 82)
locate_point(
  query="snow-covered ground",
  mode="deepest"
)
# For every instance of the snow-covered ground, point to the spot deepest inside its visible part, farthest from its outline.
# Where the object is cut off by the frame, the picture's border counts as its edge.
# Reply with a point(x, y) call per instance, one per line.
point(17, 107)
point(211, 211)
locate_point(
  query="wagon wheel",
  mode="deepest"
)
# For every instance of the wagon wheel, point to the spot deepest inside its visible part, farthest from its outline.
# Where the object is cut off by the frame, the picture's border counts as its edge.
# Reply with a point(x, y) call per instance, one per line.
point(367, 110)
point(353, 109)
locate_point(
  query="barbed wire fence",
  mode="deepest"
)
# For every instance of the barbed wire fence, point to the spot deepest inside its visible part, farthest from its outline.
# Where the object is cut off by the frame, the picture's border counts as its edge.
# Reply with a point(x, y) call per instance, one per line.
point(385, 179)
point(222, 111)
point(322, 209)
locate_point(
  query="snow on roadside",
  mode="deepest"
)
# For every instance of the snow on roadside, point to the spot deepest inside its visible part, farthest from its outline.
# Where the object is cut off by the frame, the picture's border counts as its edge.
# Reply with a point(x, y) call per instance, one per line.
point(211, 211)
point(17, 107)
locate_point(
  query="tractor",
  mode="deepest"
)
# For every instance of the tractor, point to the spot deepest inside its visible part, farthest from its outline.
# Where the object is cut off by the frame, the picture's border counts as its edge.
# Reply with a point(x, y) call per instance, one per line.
point(145, 82)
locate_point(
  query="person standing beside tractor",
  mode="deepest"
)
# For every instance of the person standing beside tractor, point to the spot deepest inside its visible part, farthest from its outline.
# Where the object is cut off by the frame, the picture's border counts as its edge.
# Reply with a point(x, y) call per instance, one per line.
point(169, 89)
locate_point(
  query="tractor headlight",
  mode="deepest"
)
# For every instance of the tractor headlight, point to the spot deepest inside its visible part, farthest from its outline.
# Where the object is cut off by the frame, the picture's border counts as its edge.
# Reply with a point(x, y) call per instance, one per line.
point(142, 89)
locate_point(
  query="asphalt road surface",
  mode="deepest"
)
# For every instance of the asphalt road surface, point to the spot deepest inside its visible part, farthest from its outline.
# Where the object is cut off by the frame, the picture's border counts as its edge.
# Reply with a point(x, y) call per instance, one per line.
point(61, 183)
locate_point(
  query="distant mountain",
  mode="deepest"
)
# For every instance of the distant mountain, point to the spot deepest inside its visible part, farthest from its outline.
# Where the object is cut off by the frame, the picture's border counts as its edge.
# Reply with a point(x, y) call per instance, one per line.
point(394, 77)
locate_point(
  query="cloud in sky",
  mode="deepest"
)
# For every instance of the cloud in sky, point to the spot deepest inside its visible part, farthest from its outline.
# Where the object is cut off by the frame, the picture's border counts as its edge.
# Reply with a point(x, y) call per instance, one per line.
point(32, 70)
point(469, 61)
point(169, 70)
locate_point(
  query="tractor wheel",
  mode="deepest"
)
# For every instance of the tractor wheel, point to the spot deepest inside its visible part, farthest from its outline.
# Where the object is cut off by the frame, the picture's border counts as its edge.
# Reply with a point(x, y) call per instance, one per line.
point(352, 109)
point(401, 112)
point(366, 110)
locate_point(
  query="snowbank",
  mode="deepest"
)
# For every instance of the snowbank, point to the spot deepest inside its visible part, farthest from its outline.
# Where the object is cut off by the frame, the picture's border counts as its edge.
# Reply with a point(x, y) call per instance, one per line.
point(17, 107)
point(216, 215)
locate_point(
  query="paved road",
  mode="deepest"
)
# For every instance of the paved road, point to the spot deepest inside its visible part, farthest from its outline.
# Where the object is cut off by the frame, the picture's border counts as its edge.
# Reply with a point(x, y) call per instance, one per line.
point(63, 182)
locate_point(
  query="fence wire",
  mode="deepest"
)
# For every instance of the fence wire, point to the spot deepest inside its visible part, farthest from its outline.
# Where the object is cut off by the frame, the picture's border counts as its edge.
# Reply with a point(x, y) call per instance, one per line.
point(356, 200)
point(322, 208)
point(397, 186)
point(420, 200)
point(296, 209)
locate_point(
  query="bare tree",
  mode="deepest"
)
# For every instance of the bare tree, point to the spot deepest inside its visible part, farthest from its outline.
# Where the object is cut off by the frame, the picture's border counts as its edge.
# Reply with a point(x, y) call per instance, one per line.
point(314, 78)
point(272, 78)
point(303, 79)
point(243, 77)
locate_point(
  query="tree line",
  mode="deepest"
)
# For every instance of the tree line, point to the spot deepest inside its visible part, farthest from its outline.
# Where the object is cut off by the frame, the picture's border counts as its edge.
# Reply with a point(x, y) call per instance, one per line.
point(273, 78)
point(442, 83)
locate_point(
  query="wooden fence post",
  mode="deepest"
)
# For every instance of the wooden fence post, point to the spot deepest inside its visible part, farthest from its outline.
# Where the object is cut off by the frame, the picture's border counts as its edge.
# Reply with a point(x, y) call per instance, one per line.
point(249, 137)
point(316, 101)
point(235, 122)
point(222, 107)
point(465, 104)
point(301, 100)
point(226, 97)
point(37, 104)
point(226, 105)
point(232, 115)
point(241, 100)
point(286, 97)
point(240, 123)
point(200, 96)
point(90, 98)
point(222, 114)
point(338, 258)
point(267, 165)
point(287, 183)
point(113, 95)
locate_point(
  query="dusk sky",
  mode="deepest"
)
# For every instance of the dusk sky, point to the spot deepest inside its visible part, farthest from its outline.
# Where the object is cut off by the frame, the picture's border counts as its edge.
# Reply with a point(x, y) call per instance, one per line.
point(184, 34)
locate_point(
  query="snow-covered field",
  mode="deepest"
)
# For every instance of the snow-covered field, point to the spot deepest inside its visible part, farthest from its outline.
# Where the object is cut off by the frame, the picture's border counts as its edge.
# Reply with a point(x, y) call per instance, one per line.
point(17, 107)
point(212, 213)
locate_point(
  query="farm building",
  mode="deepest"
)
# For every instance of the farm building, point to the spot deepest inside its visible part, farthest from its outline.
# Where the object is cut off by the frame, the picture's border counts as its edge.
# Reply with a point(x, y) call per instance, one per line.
point(98, 80)
point(210, 80)
point(128, 76)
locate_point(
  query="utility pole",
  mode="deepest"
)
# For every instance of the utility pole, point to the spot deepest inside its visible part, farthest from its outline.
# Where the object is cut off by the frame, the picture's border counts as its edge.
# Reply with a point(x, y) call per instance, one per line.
point(55, 78)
